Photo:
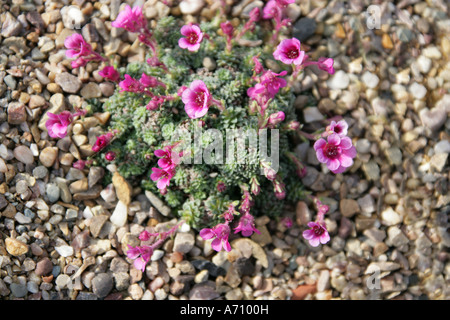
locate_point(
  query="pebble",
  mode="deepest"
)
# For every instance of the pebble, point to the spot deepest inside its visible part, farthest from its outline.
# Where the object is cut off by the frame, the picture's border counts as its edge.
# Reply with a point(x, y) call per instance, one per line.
point(370, 80)
point(18, 290)
point(417, 90)
point(65, 251)
point(442, 146)
point(123, 188)
point(15, 247)
point(68, 83)
point(433, 119)
point(53, 192)
point(102, 284)
point(184, 242)
point(91, 90)
point(191, 6)
point(44, 267)
point(340, 80)
point(72, 17)
point(120, 214)
point(158, 203)
point(311, 114)
point(363, 145)
point(348, 207)
point(16, 113)
point(23, 154)
point(304, 28)
point(48, 156)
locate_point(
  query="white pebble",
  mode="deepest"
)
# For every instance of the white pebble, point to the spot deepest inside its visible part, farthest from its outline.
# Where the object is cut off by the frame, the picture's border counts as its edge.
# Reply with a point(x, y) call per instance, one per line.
point(424, 64)
point(417, 90)
point(65, 251)
point(120, 214)
point(340, 80)
point(370, 80)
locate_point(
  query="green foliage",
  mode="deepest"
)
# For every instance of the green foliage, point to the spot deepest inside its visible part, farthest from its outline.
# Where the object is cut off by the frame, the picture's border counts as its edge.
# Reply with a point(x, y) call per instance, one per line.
point(193, 189)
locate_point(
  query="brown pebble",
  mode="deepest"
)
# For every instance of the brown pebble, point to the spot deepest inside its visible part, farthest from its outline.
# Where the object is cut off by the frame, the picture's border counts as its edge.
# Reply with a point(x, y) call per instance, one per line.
point(176, 257)
point(302, 291)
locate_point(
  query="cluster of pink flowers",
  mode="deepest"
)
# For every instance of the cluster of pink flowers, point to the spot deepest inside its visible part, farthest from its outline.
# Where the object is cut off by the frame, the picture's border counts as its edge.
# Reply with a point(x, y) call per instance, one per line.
point(221, 232)
point(142, 85)
point(197, 99)
point(267, 86)
point(318, 232)
point(289, 52)
point(337, 152)
point(276, 10)
point(168, 161)
point(81, 50)
point(143, 253)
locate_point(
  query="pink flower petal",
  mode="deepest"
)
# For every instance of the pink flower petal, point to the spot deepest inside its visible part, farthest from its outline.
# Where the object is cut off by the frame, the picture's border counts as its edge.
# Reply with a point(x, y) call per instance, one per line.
point(216, 244)
point(183, 43)
point(319, 144)
point(350, 152)
point(345, 161)
point(346, 143)
point(308, 234)
point(334, 139)
point(314, 242)
point(206, 234)
point(320, 156)
point(324, 238)
point(333, 164)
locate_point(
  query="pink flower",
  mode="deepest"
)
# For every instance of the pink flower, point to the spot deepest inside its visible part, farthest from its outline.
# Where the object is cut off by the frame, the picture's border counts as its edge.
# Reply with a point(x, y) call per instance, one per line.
point(275, 118)
point(169, 158)
point(287, 222)
point(81, 164)
point(77, 63)
point(326, 64)
point(109, 73)
point(317, 234)
point(246, 225)
point(337, 152)
point(227, 28)
point(57, 124)
point(163, 177)
point(197, 99)
point(145, 235)
point(279, 189)
point(102, 141)
point(154, 103)
point(255, 14)
point(154, 62)
point(284, 3)
point(272, 10)
point(131, 20)
point(254, 186)
point(77, 46)
point(258, 66)
point(149, 81)
point(340, 128)
point(220, 233)
point(272, 83)
point(221, 186)
point(130, 84)
point(110, 156)
point(246, 203)
point(141, 256)
point(288, 51)
point(193, 37)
